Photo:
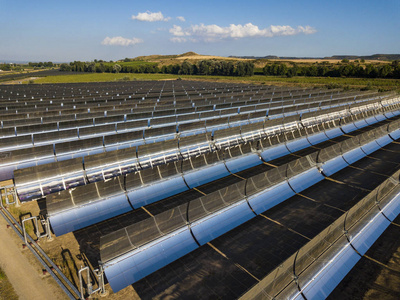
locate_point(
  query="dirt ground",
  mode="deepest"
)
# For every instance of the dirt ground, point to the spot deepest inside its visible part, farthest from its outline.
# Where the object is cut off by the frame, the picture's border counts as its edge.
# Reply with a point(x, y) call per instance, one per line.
point(26, 277)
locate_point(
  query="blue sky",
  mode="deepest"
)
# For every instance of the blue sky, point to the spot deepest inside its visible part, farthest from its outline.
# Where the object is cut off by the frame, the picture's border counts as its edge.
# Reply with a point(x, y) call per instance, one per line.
point(110, 30)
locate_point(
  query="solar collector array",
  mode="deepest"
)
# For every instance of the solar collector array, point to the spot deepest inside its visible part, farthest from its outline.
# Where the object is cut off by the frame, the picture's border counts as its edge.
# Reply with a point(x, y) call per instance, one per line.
point(199, 170)
point(70, 132)
point(218, 141)
point(102, 110)
point(215, 216)
point(240, 130)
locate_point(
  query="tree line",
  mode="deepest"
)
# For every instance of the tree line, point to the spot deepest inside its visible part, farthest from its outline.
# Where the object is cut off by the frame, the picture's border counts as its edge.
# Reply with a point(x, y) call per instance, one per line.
point(204, 67)
point(48, 64)
point(211, 67)
point(327, 70)
point(245, 68)
point(92, 67)
point(20, 67)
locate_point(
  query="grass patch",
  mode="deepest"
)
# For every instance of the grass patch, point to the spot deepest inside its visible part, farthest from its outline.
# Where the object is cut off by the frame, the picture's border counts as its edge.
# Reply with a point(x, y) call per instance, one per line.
point(325, 82)
point(7, 291)
point(19, 214)
point(2, 274)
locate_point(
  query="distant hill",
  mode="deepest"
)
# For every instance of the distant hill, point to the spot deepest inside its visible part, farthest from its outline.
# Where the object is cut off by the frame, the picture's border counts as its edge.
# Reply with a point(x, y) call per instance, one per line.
point(272, 57)
point(385, 57)
point(190, 53)
point(368, 57)
point(163, 57)
point(256, 57)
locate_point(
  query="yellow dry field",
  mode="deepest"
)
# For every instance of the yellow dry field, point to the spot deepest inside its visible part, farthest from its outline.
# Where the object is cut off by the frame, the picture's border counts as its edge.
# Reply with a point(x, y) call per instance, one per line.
point(203, 57)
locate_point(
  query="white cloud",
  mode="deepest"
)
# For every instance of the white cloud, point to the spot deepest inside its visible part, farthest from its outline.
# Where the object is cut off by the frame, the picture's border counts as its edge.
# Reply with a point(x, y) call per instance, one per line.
point(120, 41)
point(178, 31)
point(180, 18)
point(177, 39)
point(210, 33)
point(150, 17)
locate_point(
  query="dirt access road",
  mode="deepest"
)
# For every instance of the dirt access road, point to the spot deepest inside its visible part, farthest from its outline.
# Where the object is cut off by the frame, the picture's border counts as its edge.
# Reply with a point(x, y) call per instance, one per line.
point(24, 276)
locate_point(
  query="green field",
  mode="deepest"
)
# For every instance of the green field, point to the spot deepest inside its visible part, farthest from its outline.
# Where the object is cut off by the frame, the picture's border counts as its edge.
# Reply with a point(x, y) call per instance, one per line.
point(370, 83)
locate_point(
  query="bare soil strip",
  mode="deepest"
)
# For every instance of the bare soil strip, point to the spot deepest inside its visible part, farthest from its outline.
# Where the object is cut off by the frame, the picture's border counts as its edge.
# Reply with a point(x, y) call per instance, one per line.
point(24, 277)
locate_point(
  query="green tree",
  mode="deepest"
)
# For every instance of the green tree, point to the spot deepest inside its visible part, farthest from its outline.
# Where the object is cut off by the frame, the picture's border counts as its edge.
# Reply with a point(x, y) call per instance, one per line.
point(249, 68)
point(312, 71)
point(65, 68)
point(371, 71)
point(384, 71)
point(396, 72)
point(91, 67)
point(100, 68)
point(186, 68)
point(164, 69)
point(292, 71)
point(204, 68)
point(116, 68)
point(322, 70)
point(240, 69)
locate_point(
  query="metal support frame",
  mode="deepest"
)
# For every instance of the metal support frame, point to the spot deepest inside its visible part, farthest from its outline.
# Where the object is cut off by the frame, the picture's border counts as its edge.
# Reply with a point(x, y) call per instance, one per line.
point(45, 224)
point(99, 273)
point(6, 194)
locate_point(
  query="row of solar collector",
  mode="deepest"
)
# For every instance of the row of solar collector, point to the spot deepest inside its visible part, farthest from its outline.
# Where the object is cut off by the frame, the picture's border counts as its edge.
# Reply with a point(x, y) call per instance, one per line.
point(198, 104)
point(138, 87)
point(125, 115)
point(132, 113)
point(277, 137)
point(38, 155)
point(17, 106)
point(136, 251)
point(33, 96)
point(102, 124)
point(106, 199)
point(83, 105)
point(133, 130)
point(234, 154)
point(124, 106)
point(317, 268)
point(281, 136)
point(94, 141)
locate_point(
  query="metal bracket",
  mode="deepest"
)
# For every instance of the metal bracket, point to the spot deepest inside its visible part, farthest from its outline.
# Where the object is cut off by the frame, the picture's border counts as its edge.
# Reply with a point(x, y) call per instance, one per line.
point(45, 224)
point(5, 191)
point(99, 273)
